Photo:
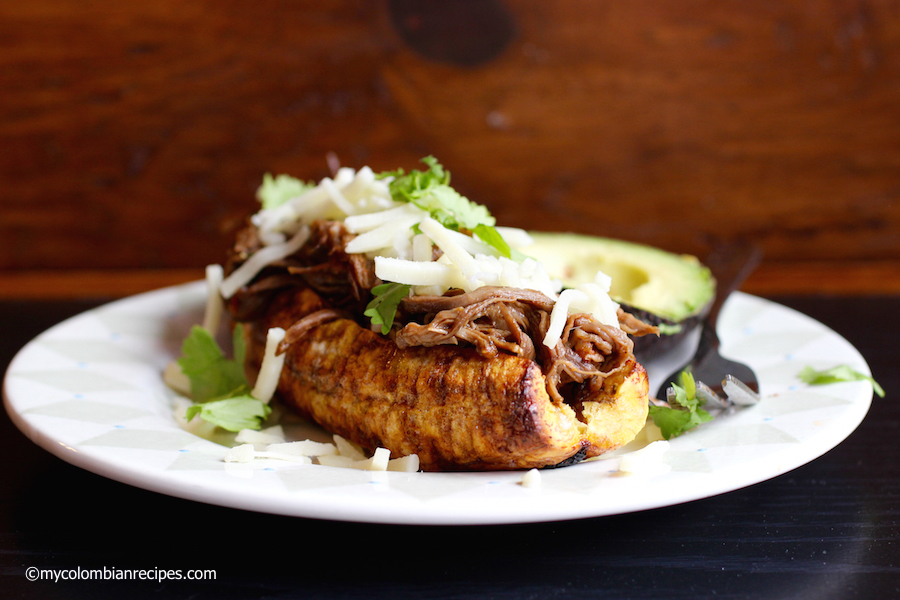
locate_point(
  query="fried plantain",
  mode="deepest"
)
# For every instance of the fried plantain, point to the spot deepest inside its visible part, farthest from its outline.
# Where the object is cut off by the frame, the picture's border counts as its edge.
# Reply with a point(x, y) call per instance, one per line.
point(454, 408)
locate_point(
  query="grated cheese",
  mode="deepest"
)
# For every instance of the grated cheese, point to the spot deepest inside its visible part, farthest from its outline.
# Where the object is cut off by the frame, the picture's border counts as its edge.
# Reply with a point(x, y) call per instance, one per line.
point(261, 259)
point(214, 304)
point(260, 439)
point(304, 448)
point(531, 479)
point(592, 298)
point(270, 369)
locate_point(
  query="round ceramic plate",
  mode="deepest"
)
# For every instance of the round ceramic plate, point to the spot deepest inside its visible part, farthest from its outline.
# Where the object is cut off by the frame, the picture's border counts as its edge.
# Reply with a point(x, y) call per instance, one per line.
point(89, 390)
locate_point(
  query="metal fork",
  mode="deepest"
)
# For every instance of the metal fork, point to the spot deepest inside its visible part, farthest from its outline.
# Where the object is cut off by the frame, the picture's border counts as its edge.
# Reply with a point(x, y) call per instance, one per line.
point(730, 264)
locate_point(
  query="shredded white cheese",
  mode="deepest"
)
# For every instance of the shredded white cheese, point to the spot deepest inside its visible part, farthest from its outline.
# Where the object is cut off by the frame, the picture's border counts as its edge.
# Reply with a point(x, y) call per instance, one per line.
point(261, 439)
point(241, 454)
point(270, 369)
point(466, 263)
point(259, 260)
point(404, 464)
point(349, 193)
point(383, 236)
point(344, 454)
point(214, 304)
point(304, 448)
point(592, 298)
point(531, 479)
point(347, 448)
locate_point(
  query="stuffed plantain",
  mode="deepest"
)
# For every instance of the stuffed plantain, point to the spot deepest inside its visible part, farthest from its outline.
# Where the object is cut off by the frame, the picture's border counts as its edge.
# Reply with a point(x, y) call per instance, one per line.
point(453, 407)
point(412, 324)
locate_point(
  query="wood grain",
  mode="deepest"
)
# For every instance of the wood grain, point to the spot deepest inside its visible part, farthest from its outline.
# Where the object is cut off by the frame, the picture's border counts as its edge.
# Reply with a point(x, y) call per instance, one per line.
point(134, 135)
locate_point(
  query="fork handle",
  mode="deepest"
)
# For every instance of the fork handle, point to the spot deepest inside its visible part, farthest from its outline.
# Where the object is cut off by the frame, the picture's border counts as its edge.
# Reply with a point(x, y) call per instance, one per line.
point(730, 263)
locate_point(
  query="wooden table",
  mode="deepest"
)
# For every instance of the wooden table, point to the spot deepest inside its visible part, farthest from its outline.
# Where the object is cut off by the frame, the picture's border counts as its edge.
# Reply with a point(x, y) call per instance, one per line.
point(826, 530)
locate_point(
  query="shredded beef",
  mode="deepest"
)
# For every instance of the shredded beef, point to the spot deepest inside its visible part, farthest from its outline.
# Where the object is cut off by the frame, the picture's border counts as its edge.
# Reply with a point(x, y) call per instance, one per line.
point(321, 264)
point(588, 352)
point(634, 326)
point(515, 321)
point(491, 319)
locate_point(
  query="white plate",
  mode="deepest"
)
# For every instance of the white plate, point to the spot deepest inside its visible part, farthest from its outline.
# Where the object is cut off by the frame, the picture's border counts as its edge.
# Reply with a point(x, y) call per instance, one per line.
point(89, 391)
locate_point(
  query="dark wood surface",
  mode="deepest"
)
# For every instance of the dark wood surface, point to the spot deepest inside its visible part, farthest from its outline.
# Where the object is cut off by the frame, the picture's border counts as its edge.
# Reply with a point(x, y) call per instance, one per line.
point(829, 529)
point(133, 135)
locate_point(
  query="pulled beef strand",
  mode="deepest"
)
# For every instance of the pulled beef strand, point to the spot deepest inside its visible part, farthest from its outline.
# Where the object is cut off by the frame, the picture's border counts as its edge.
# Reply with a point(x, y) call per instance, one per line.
point(516, 321)
point(486, 324)
point(328, 269)
point(588, 352)
point(634, 326)
point(321, 264)
point(313, 319)
point(433, 304)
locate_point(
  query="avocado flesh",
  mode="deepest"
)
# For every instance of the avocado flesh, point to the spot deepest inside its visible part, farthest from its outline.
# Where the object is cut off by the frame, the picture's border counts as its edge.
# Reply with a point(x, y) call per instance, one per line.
point(671, 291)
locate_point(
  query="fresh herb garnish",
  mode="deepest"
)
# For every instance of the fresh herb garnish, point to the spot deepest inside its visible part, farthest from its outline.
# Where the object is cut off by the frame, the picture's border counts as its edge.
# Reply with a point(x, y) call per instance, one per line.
point(233, 414)
point(210, 373)
point(275, 191)
point(837, 374)
point(686, 415)
point(383, 306)
point(218, 385)
point(430, 190)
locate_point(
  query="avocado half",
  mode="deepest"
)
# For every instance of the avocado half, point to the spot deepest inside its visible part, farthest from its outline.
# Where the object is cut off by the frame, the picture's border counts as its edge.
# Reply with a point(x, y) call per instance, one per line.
point(671, 291)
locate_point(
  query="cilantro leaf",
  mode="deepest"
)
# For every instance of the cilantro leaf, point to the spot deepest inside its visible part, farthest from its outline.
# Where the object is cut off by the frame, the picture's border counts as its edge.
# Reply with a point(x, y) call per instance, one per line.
point(406, 186)
point(383, 306)
point(671, 422)
point(835, 375)
point(489, 235)
point(686, 414)
point(453, 210)
point(210, 373)
point(237, 343)
point(233, 414)
point(275, 191)
point(430, 190)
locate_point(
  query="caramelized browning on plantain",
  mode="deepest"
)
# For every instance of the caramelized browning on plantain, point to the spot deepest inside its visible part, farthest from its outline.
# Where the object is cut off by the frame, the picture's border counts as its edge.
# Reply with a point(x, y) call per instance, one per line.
point(453, 407)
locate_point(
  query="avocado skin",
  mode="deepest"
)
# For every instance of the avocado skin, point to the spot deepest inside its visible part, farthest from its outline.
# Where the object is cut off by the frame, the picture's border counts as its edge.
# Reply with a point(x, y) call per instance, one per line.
point(565, 255)
point(651, 346)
